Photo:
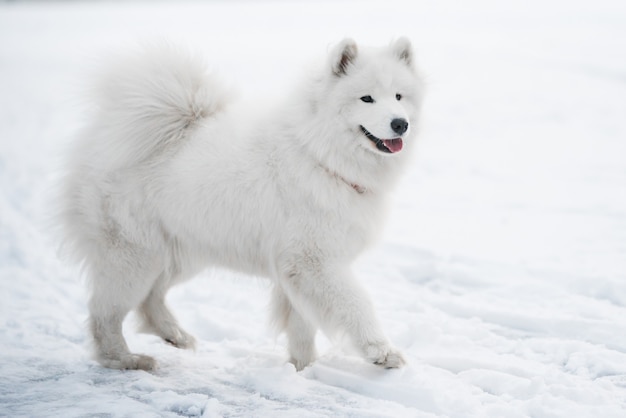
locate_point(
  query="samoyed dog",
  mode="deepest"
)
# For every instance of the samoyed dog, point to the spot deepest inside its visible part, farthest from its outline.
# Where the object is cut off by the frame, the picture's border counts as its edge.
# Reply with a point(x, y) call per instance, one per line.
point(170, 177)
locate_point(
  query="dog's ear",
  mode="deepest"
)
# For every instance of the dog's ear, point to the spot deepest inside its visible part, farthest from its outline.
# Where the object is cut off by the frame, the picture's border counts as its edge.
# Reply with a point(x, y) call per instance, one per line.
point(342, 56)
point(403, 50)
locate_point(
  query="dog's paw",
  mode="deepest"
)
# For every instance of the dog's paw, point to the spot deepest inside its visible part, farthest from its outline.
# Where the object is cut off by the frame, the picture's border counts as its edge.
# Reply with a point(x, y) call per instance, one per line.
point(384, 355)
point(303, 357)
point(301, 362)
point(181, 339)
point(129, 362)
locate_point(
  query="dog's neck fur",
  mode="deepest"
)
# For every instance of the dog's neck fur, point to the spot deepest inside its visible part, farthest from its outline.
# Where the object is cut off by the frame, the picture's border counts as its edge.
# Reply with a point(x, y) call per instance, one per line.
point(358, 188)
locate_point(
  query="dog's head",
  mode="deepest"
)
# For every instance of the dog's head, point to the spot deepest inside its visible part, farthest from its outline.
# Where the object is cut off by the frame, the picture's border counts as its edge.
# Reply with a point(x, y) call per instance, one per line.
point(376, 93)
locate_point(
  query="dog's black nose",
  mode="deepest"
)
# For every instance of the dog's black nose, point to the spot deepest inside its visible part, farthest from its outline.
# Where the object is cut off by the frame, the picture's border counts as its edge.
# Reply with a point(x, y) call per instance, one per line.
point(399, 126)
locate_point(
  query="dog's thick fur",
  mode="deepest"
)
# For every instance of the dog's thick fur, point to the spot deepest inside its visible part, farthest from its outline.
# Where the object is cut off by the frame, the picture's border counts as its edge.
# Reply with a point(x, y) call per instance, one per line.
point(169, 177)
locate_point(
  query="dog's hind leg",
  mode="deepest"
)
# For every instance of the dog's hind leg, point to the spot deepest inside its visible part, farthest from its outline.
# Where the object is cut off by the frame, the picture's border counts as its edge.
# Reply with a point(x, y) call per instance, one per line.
point(107, 313)
point(120, 279)
point(300, 332)
point(158, 320)
point(110, 346)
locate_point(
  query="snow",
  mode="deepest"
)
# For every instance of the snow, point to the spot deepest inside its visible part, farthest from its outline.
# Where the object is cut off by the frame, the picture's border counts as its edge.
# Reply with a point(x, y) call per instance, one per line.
point(502, 274)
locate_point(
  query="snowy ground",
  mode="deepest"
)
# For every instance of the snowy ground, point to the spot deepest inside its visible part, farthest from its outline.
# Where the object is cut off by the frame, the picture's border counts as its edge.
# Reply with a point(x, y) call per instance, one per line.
point(503, 272)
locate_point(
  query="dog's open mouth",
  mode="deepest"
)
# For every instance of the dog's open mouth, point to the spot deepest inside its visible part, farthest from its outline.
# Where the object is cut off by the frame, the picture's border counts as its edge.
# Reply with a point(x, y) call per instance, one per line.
point(384, 145)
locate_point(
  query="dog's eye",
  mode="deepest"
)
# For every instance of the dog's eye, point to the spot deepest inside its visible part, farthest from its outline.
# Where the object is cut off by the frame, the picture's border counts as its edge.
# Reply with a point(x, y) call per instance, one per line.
point(367, 99)
point(398, 96)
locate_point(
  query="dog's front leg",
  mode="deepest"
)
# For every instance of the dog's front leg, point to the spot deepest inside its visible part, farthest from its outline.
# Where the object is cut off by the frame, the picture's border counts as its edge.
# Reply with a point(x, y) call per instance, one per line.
point(331, 298)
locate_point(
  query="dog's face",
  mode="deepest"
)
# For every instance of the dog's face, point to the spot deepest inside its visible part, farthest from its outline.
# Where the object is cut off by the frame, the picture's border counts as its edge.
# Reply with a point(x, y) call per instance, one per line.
point(376, 93)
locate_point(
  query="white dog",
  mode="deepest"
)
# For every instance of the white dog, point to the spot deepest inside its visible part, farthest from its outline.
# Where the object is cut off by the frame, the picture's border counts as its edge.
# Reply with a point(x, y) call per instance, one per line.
point(169, 178)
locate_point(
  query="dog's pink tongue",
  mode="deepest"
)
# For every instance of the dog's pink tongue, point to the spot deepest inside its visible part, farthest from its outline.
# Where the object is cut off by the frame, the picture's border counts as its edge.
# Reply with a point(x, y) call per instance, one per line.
point(393, 145)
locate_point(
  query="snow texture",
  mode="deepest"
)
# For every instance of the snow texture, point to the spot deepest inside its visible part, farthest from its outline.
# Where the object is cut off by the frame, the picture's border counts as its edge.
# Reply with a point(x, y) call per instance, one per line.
point(502, 274)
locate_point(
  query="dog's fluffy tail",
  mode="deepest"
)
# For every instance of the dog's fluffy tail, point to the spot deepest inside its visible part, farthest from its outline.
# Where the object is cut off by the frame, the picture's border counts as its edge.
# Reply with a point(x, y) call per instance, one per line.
point(149, 100)
point(144, 105)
